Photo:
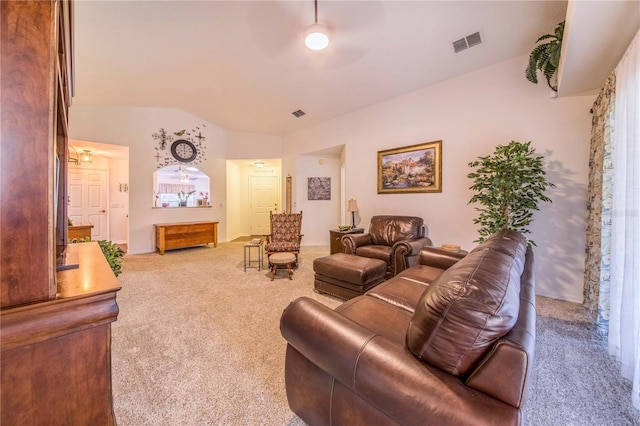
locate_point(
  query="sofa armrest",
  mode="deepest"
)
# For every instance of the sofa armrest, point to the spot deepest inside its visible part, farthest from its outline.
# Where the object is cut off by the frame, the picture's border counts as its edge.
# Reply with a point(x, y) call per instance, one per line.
point(405, 253)
point(439, 258)
point(385, 373)
point(412, 247)
point(353, 241)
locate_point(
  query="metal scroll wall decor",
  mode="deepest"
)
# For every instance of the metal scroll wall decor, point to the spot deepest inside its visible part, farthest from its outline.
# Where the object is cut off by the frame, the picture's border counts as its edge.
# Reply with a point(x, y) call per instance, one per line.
point(192, 139)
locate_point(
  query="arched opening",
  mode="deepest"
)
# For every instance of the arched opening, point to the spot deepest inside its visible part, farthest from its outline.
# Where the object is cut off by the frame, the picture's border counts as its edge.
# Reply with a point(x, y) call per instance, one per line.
point(180, 186)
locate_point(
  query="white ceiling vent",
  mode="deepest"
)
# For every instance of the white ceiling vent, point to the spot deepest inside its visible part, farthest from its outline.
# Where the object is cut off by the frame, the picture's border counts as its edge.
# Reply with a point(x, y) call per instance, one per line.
point(467, 42)
point(299, 113)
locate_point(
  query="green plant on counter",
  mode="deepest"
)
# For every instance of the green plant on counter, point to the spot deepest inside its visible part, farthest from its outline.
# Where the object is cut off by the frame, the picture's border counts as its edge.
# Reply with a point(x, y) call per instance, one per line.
point(508, 184)
point(111, 252)
point(114, 254)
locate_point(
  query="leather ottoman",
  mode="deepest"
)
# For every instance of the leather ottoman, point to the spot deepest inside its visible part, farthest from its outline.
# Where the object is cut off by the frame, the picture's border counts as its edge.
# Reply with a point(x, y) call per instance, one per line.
point(346, 276)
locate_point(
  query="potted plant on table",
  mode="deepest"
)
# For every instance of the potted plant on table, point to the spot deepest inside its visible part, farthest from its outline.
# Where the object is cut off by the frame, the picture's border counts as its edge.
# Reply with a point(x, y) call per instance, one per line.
point(509, 185)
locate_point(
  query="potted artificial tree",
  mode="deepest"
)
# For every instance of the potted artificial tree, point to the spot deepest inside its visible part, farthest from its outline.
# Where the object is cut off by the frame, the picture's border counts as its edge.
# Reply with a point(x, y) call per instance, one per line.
point(509, 185)
point(545, 57)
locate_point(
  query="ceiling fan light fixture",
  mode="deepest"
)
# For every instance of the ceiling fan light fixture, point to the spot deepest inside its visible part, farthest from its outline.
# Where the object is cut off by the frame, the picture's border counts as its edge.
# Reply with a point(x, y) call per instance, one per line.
point(316, 37)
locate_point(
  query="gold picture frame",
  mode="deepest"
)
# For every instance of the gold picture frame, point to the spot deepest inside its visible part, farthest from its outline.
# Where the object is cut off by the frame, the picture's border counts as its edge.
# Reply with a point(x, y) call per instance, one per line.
point(410, 169)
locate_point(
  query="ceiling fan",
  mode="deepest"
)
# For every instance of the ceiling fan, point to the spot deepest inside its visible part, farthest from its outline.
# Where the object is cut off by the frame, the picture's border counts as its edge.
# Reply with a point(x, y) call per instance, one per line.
point(279, 28)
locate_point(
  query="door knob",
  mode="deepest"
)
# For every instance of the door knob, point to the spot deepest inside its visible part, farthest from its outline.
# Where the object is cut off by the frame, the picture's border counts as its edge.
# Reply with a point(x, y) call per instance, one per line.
point(102, 211)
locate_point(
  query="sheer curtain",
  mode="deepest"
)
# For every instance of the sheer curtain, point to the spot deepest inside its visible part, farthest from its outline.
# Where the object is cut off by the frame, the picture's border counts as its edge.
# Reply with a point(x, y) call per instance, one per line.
point(624, 321)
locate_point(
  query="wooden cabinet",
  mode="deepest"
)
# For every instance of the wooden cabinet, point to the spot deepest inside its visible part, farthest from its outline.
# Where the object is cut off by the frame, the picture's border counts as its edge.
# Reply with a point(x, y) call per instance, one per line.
point(184, 234)
point(56, 355)
point(79, 232)
point(55, 327)
point(335, 237)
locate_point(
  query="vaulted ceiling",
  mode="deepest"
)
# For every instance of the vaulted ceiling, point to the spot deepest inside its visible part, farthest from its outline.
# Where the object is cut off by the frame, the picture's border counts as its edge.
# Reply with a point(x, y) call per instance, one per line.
point(243, 65)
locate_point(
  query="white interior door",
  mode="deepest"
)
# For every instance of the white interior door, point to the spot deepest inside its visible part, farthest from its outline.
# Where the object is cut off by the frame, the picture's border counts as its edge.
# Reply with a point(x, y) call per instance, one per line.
point(88, 200)
point(265, 196)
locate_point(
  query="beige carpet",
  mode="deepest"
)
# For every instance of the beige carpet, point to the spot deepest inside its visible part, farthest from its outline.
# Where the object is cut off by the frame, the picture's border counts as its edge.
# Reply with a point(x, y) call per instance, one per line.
point(197, 342)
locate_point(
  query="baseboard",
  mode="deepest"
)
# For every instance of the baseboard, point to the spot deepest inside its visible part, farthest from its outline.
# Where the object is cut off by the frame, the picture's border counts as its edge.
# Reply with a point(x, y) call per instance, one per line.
point(562, 297)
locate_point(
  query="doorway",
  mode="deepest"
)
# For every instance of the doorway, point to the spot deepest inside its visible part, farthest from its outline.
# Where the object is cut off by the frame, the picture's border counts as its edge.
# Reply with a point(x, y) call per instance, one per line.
point(254, 188)
point(88, 200)
point(109, 191)
point(264, 195)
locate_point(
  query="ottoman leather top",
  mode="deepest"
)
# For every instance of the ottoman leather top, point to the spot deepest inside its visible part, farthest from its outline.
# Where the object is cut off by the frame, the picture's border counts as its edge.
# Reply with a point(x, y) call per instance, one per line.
point(350, 268)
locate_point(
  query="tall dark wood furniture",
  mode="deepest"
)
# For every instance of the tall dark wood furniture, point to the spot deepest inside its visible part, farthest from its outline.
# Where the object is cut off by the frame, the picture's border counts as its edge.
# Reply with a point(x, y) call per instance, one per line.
point(55, 327)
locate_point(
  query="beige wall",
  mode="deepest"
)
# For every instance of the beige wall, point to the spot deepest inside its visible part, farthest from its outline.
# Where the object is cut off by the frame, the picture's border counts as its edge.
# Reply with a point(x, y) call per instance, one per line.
point(471, 114)
point(134, 127)
point(318, 216)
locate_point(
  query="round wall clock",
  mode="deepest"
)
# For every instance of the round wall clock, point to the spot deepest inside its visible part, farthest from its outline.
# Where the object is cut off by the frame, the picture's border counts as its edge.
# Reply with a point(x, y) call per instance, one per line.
point(184, 150)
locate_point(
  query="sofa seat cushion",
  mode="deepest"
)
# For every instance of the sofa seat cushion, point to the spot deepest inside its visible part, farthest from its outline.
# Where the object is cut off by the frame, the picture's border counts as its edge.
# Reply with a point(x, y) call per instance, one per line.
point(377, 316)
point(465, 310)
point(422, 273)
point(401, 292)
point(375, 252)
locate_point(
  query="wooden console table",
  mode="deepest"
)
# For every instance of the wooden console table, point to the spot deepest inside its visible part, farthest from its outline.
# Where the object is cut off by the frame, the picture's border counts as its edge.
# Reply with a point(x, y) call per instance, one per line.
point(184, 234)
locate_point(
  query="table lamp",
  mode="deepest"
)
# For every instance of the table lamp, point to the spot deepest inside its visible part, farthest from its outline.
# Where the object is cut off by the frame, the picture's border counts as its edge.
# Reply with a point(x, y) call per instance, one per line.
point(353, 208)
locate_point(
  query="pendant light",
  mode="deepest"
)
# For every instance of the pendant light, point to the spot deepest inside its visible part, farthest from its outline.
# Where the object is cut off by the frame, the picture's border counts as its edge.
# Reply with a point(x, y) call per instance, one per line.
point(316, 36)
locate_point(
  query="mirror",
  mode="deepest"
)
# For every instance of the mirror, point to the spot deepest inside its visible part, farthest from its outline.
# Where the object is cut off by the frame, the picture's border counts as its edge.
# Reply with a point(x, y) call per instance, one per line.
point(180, 186)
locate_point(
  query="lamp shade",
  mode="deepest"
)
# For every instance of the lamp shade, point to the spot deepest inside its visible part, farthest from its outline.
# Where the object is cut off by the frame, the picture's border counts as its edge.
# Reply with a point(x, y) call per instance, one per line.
point(316, 37)
point(352, 206)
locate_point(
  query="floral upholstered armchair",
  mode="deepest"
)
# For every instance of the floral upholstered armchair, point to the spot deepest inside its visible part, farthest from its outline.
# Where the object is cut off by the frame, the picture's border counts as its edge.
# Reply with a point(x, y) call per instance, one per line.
point(285, 234)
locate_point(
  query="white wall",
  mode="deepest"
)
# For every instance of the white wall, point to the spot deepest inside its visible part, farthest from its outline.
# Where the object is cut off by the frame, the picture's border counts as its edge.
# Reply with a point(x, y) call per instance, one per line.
point(235, 223)
point(318, 216)
point(119, 201)
point(471, 114)
point(134, 127)
point(243, 145)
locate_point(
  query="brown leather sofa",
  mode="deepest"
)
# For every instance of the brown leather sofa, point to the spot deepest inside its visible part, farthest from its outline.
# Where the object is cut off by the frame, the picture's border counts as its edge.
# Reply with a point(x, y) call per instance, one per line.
point(395, 239)
point(447, 342)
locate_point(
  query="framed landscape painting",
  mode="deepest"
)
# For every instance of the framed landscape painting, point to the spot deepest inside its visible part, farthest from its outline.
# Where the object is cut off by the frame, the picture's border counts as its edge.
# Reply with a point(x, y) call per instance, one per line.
point(415, 168)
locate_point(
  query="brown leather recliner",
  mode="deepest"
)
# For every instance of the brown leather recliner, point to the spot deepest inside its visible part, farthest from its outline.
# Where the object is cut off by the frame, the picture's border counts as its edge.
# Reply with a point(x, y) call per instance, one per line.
point(395, 239)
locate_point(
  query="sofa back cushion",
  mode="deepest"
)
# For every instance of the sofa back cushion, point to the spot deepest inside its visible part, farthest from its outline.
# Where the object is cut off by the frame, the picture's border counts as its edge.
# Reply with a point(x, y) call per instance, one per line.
point(467, 308)
point(388, 230)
